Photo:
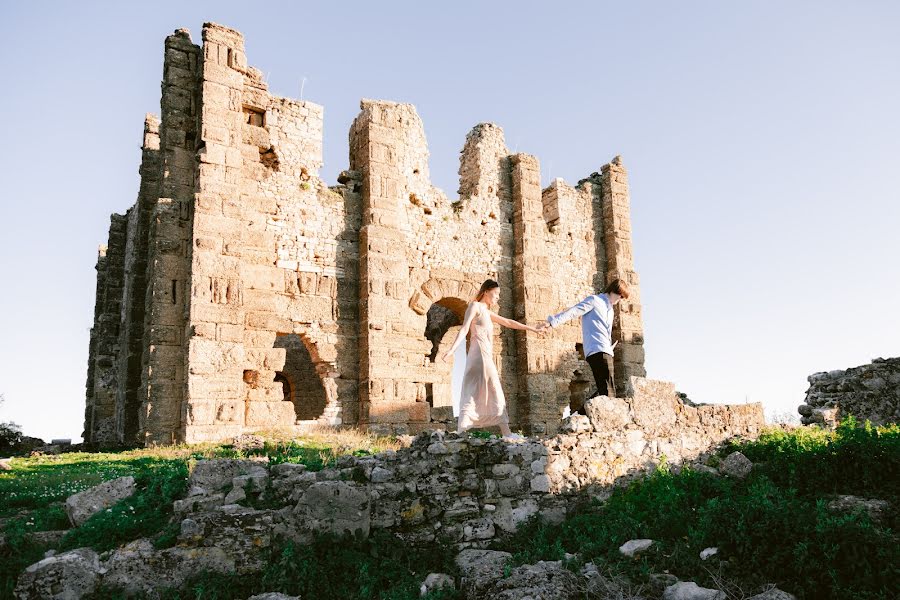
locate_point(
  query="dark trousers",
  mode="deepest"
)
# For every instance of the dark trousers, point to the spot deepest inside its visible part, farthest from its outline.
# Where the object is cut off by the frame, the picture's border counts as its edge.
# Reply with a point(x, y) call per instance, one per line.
point(602, 367)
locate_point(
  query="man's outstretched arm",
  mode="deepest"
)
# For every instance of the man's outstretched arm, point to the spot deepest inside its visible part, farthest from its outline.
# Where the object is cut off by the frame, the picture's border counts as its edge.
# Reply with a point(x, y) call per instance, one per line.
point(571, 312)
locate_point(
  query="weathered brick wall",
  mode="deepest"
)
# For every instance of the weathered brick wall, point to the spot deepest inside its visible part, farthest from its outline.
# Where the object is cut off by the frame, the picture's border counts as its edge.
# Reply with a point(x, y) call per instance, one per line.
point(868, 392)
point(465, 490)
point(245, 275)
point(163, 363)
point(131, 326)
point(103, 373)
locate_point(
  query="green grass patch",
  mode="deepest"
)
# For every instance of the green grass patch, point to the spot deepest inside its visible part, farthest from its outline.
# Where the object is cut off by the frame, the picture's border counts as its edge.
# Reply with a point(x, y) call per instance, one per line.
point(32, 493)
point(772, 527)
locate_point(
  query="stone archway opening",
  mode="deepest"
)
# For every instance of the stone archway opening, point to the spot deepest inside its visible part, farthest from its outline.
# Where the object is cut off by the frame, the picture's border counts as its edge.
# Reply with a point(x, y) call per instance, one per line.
point(443, 320)
point(444, 315)
point(300, 380)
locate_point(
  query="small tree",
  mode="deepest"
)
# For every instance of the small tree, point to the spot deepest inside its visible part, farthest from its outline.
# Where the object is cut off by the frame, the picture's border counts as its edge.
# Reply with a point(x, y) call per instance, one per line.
point(10, 433)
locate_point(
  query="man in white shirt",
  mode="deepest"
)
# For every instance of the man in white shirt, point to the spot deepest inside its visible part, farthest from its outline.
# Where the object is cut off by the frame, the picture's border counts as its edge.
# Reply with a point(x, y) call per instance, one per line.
point(596, 312)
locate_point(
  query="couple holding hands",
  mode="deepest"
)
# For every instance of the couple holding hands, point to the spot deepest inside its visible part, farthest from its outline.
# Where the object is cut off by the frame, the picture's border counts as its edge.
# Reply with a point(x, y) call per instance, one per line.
point(482, 403)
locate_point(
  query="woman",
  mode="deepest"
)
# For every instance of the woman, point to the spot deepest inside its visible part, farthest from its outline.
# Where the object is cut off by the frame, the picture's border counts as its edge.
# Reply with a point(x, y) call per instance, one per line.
point(482, 403)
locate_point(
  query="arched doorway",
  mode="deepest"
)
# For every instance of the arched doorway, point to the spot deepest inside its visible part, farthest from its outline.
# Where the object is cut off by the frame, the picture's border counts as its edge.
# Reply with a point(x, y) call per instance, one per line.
point(443, 320)
point(299, 378)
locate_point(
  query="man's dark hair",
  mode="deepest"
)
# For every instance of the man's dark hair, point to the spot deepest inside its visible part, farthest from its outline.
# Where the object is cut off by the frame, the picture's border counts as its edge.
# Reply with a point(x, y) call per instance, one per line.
point(617, 286)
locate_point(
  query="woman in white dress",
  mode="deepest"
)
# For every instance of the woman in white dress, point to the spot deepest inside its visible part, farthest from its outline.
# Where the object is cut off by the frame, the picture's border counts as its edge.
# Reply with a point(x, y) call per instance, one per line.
point(482, 403)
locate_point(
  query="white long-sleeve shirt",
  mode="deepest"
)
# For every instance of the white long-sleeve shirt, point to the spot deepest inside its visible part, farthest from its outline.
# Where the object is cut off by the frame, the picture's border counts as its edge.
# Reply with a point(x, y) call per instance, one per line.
point(596, 314)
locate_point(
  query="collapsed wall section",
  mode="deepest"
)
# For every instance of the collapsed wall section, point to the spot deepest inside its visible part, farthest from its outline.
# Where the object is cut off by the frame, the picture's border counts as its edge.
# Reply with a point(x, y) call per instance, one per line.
point(868, 392)
point(470, 490)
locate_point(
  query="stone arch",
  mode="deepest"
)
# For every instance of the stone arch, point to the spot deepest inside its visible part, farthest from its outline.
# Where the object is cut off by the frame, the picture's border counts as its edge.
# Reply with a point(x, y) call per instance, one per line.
point(453, 292)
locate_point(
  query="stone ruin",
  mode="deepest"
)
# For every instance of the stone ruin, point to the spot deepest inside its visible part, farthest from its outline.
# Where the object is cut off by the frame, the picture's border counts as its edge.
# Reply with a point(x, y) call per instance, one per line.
point(868, 392)
point(242, 293)
point(460, 491)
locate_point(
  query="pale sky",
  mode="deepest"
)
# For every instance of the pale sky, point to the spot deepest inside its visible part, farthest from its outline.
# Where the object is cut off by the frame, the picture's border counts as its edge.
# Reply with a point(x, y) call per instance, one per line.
point(762, 141)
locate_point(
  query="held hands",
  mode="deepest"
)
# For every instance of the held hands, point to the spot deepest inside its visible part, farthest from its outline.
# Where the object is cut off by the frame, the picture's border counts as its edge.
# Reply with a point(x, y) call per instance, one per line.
point(541, 328)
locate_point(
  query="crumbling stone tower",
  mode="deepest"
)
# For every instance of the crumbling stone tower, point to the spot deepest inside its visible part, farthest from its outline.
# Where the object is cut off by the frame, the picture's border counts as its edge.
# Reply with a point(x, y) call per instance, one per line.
point(241, 293)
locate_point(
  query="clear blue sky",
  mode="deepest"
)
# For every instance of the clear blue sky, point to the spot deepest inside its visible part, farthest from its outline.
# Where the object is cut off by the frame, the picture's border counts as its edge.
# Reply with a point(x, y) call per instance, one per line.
point(762, 141)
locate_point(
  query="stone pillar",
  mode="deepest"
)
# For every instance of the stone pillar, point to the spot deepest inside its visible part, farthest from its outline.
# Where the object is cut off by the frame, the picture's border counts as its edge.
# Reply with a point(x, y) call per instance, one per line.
point(131, 327)
point(628, 328)
point(532, 290)
point(100, 267)
point(387, 395)
point(101, 425)
point(169, 244)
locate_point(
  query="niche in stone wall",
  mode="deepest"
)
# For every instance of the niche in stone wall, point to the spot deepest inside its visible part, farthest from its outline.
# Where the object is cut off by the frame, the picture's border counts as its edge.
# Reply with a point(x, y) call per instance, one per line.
point(254, 116)
point(299, 378)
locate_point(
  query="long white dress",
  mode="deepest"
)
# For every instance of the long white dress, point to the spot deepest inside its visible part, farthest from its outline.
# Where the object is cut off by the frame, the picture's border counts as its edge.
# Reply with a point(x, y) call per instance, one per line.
point(481, 402)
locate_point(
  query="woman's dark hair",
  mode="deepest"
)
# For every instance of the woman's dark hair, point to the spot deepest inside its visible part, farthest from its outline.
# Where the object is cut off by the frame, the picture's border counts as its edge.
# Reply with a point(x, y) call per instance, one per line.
point(486, 287)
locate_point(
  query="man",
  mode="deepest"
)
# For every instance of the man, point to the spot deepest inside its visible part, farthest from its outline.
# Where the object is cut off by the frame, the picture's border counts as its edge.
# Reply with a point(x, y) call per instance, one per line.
point(596, 312)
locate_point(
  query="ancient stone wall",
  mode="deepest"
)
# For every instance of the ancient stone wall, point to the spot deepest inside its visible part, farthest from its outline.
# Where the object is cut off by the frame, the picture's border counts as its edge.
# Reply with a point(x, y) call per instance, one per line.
point(131, 324)
point(103, 356)
point(868, 392)
point(254, 296)
point(462, 489)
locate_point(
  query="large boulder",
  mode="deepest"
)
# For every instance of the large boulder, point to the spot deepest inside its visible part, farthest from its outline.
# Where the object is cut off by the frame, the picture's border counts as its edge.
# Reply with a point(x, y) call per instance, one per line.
point(67, 576)
point(82, 506)
point(634, 547)
point(217, 475)
point(876, 509)
point(736, 465)
point(688, 590)
point(243, 534)
point(607, 414)
point(479, 569)
point(336, 507)
point(137, 568)
point(545, 580)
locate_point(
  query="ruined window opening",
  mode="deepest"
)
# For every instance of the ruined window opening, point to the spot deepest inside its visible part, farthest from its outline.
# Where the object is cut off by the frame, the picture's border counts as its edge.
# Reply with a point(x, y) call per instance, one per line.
point(440, 318)
point(443, 320)
point(300, 377)
point(254, 116)
point(174, 291)
point(269, 159)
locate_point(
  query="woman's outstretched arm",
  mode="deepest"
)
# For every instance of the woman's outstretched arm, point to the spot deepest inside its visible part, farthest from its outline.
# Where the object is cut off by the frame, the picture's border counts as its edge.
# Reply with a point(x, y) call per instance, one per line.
point(471, 311)
point(512, 324)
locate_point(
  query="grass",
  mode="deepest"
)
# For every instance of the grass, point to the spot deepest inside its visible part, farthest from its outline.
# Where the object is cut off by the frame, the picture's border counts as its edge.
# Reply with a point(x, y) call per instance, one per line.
point(772, 527)
point(32, 493)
